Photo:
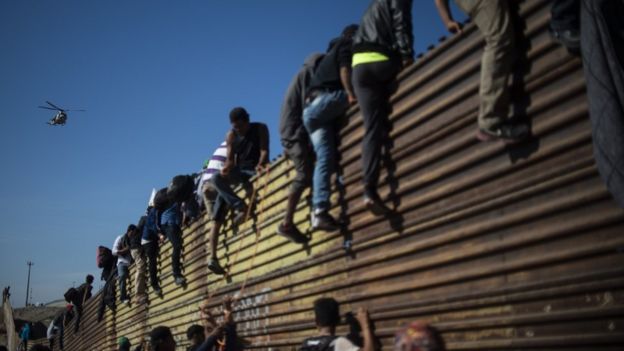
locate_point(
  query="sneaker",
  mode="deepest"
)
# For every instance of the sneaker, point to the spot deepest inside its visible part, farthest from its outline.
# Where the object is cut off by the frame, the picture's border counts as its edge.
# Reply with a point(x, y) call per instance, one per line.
point(292, 233)
point(157, 290)
point(239, 215)
point(125, 301)
point(570, 38)
point(375, 205)
point(509, 133)
point(215, 267)
point(322, 220)
point(180, 281)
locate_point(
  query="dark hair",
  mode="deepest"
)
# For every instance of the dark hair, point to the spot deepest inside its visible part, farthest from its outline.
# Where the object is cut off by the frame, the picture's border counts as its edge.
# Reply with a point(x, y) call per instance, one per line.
point(131, 228)
point(349, 31)
point(89, 278)
point(39, 348)
point(158, 335)
point(238, 114)
point(327, 312)
point(194, 329)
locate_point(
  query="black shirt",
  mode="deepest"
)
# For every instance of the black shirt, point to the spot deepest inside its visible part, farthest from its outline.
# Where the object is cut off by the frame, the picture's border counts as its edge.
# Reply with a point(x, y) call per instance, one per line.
point(327, 75)
point(247, 147)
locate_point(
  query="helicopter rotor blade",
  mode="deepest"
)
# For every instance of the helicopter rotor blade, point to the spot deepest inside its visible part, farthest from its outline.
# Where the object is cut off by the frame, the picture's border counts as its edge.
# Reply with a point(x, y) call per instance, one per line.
point(76, 110)
point(47, 108)
point(53, 105)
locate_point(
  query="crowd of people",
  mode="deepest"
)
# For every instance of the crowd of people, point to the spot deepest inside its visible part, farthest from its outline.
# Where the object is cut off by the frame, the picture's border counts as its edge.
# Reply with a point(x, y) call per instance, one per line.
point(360, 67)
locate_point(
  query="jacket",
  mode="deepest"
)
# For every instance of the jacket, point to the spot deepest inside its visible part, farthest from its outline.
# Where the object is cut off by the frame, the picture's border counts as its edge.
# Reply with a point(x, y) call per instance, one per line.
point(386, 28)
point(291, 120)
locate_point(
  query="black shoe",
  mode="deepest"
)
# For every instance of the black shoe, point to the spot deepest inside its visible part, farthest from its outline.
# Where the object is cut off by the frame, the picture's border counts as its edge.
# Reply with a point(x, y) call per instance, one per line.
point(215, 267)
point(292, 233)
point(570, 38)
point(157, 290)
point(509, 133)
point(322, 220)
point(375, 205)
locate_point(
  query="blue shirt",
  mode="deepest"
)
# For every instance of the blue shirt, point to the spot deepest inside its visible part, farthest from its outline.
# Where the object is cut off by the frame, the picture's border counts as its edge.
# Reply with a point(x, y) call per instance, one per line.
point(150, 230)
point(172, 215)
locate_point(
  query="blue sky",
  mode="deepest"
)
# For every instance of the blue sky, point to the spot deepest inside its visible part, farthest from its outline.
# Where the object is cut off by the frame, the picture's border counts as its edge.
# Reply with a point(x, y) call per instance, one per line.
point(157, 79)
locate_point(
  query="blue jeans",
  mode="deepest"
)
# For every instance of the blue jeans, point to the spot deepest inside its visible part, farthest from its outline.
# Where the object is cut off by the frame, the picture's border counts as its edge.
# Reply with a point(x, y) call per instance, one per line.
point(226, 196)
point(122, 271)
point(319, 117)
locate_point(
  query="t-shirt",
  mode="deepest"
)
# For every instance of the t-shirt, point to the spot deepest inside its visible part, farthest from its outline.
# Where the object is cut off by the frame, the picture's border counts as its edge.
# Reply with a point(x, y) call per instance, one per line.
point(246, 147)
point(343, 344)
point(327, 74)
point(119, 244)
point(215, 164)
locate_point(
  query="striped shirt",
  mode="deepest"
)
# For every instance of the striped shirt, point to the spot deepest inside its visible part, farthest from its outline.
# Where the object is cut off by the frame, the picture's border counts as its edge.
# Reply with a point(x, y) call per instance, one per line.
point(215, 164)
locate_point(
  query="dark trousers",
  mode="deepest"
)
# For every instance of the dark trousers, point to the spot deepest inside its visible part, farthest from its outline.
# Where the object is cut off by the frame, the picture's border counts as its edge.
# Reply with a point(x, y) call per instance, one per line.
point(151, 253)
point(565, 14)
point(301, 154)
point(223, 185)
point(374, 83)
point(174, 235)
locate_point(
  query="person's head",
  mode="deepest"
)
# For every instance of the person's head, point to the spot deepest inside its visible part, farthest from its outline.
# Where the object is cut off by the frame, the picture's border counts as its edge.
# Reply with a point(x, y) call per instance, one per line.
point(123, 343)
point(39, 348)
point(161, 339)
point(326, 312)
point(89, 279)
point(418, 336)
point(349, 31)
point(239, 120)
point(195, 334)
point(131, 229)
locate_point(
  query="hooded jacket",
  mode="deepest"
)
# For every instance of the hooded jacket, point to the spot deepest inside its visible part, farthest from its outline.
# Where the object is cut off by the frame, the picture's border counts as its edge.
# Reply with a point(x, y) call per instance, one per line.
point(386, 28)
point(291, 116)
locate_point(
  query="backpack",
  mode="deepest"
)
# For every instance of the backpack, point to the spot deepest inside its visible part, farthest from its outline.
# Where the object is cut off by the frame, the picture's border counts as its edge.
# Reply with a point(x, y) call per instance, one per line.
point(70, 294)
point(103, 257)
point(318, 343)
point(161, 200)
point(181, 188)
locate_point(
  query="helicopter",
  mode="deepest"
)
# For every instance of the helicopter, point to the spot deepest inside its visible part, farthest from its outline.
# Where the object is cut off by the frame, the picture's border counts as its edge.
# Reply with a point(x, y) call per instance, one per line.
point(61, 116)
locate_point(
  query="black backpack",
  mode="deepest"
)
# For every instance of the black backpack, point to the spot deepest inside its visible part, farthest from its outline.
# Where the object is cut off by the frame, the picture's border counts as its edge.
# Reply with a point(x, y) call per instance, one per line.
point(70, 294)
point(318, 343)
point(181, 188)
point(161, 200)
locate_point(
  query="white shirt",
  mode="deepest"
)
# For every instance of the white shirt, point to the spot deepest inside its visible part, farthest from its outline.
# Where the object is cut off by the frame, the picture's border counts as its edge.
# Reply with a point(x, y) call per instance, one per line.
point(121, 259)
point(343, 344)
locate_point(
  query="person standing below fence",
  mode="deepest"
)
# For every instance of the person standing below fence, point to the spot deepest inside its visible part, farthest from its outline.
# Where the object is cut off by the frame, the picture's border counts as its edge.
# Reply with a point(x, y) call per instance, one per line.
point(121, 249)
point(327, 318)
point(24, 336)
point(297, 147)
point(171, 220)
point(328, 98)
point(493, 19)
point(247, 153)
point(149, 243)
point(381, 47)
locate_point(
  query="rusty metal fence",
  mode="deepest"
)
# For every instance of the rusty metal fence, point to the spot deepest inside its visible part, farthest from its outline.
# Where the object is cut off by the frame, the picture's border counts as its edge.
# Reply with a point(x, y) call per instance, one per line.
point(499, 247)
